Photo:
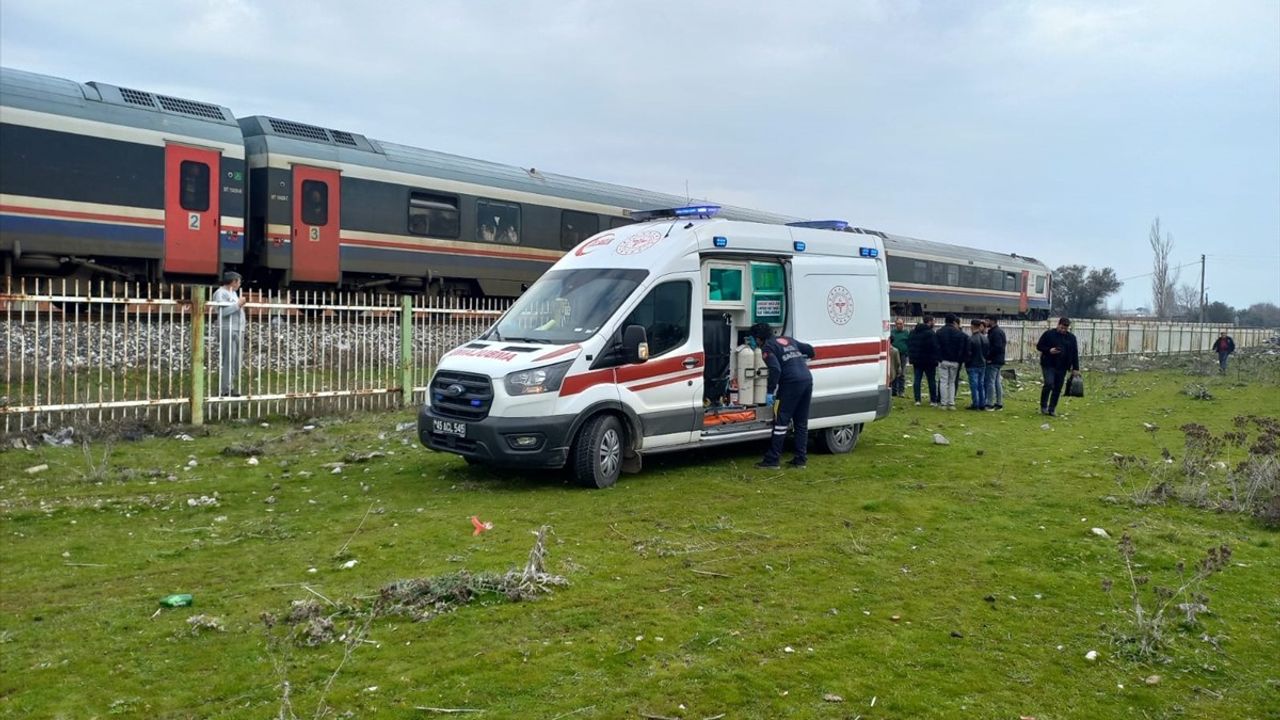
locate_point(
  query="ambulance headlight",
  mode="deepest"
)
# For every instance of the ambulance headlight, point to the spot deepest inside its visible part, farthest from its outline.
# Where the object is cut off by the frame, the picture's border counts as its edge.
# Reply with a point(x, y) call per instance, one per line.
point(538, 380)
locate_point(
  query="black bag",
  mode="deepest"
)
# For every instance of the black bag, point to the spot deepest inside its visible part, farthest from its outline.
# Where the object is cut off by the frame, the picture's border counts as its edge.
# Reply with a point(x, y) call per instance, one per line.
point(1075, 388)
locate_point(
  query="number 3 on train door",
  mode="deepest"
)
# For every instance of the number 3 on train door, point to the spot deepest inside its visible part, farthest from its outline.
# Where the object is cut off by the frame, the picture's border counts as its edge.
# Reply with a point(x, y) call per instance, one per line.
point(317, 223)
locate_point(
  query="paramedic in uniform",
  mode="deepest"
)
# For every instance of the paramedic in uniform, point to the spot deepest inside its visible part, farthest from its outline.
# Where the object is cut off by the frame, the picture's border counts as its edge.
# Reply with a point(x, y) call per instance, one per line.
point(789, 377)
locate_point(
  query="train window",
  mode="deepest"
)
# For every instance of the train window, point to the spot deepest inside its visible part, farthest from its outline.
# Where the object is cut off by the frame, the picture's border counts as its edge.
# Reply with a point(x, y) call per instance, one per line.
point(996, 280)
point(984, 278)
point(497, 222)
point(953, 274)
point(1039, 284)
point(576, 227)
point(315, 202)
point(194, 192)
point(433, 215)
point(1010, 282)
point(618, 222)
point(899, 268)
point(920, 271)
point(967, 275)
point(938, 273)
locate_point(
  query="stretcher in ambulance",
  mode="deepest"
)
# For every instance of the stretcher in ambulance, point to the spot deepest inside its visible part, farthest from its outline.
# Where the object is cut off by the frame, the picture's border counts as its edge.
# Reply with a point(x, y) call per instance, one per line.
point(635, 343)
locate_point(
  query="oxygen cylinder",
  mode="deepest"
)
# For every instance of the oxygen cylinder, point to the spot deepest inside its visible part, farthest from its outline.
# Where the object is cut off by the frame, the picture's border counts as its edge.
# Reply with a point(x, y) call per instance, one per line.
point(744, 373)
point(762, 377)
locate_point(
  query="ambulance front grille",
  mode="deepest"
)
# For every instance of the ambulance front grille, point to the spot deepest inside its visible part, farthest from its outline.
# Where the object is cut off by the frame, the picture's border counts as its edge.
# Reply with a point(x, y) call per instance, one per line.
point(472, 403)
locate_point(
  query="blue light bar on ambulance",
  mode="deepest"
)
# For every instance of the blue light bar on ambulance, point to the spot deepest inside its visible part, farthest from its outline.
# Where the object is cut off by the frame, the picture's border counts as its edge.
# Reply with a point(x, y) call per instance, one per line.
point(680, 212)
point(720, 241)
point(821, 224)
point(868, 252)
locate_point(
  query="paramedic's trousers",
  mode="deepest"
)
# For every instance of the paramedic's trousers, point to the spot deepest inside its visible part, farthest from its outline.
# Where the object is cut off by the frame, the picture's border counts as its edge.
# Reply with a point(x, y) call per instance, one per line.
point(793, 406)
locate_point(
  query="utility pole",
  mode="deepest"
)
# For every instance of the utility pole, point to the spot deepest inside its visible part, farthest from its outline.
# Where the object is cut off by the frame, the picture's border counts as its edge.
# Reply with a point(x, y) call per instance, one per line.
point(1202, 288)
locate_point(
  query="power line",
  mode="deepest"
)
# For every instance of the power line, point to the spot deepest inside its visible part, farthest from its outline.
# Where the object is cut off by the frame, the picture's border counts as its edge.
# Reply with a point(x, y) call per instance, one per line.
point(1148, 274)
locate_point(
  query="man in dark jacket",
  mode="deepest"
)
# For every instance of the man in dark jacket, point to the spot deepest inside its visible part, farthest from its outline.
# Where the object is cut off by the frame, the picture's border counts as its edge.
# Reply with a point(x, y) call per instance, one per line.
point(1059, 355)
point(789, 376)
point(898, 339)
point(996, 343)
point(953, 351)
point(1224, 346)
point(922, 348)
point(977, 365)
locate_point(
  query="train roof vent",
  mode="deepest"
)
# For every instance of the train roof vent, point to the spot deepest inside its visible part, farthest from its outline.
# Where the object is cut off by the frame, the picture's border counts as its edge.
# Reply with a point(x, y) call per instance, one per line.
point(137, 97)
point(344, 137)
point(189, 107)
point(299, 130)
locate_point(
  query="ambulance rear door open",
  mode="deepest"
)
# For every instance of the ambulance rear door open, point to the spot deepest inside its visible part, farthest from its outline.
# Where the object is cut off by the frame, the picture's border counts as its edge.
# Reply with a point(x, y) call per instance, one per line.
point(842, 310)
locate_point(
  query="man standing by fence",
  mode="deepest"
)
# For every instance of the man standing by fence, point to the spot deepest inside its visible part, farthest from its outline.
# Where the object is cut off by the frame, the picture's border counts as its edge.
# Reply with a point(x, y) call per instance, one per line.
point(977, 366)
point(898, 339)
point(996, 342)
point(1059, 354)
point(231, 323)
point(953, 351)
point(1224, 346)
point(922, 347)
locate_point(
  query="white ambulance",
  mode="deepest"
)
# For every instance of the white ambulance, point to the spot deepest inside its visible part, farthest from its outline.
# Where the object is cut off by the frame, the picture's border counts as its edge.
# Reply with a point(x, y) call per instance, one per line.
point(633, 344)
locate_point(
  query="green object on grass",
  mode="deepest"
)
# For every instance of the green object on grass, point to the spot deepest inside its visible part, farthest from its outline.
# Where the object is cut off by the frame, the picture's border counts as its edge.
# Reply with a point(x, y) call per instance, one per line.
point(182, 600)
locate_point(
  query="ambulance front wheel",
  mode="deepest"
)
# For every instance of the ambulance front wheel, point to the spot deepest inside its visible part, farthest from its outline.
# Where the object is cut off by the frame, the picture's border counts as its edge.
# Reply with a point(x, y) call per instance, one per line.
point(839, 440)
point(597, 452)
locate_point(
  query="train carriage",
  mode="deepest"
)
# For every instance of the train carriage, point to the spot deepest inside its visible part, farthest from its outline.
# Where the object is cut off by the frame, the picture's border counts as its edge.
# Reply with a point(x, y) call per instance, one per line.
point(98, 180)
point(103, 181)
point(335, 207)
point(928, 277)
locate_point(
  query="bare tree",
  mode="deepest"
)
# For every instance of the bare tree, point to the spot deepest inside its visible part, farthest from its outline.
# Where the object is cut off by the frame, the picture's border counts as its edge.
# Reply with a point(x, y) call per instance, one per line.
point(1163, 278)
point(1186, 300)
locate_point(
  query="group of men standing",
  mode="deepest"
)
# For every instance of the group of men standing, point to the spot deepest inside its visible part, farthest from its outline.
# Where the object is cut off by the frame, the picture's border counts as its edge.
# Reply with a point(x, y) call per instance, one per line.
point(938, 356)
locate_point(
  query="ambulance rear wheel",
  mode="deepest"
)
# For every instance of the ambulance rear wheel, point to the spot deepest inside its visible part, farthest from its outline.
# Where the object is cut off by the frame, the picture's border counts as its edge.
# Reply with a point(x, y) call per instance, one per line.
point(839, 440)
point(597, 452)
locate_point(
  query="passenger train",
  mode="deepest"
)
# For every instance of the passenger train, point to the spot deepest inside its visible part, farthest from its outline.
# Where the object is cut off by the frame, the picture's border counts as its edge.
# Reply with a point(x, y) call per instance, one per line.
point(103, 181)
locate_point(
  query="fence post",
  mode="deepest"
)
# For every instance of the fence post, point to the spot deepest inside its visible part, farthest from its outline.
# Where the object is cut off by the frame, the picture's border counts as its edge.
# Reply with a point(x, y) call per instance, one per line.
point(197, 355)
point(406, 350)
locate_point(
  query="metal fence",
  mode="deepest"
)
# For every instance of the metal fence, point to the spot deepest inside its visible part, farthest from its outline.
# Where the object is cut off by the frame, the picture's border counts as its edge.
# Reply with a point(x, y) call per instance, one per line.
point(1104, 338)
point(107, 352)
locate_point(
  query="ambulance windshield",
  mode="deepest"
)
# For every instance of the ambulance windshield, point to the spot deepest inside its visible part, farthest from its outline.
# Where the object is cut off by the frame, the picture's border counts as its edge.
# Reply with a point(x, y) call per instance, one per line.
point(566, 306)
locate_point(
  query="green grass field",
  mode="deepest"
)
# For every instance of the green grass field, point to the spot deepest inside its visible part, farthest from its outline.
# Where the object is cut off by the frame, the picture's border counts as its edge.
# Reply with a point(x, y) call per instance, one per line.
point(910, 580)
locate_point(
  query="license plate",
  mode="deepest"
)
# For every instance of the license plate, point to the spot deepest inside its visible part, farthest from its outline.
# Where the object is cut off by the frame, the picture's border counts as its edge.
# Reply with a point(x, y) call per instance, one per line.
point(447, 427)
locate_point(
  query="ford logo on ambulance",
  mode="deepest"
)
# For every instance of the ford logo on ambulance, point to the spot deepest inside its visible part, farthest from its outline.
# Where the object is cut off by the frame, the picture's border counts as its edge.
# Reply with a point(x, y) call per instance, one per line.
point(454, 390)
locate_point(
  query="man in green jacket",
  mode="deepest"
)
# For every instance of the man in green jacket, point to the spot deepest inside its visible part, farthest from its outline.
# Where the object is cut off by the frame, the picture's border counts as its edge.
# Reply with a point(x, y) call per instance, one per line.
point(898, 339)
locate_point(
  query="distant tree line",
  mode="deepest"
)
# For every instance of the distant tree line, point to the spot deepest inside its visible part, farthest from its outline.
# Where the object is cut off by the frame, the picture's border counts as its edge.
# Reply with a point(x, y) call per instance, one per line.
point(1080, 291)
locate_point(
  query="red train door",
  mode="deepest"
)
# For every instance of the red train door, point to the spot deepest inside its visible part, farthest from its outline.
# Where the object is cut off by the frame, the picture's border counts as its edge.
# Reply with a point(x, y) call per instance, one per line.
point(316, 224)
point(1022, 296)
point(191, 217)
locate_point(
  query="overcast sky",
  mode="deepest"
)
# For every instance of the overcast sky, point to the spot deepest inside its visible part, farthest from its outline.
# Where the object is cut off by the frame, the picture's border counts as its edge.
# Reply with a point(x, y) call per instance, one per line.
point(1053, 129)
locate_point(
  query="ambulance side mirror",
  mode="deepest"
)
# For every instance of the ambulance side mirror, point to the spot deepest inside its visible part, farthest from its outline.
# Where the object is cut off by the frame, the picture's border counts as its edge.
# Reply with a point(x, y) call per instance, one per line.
point(635, 346)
